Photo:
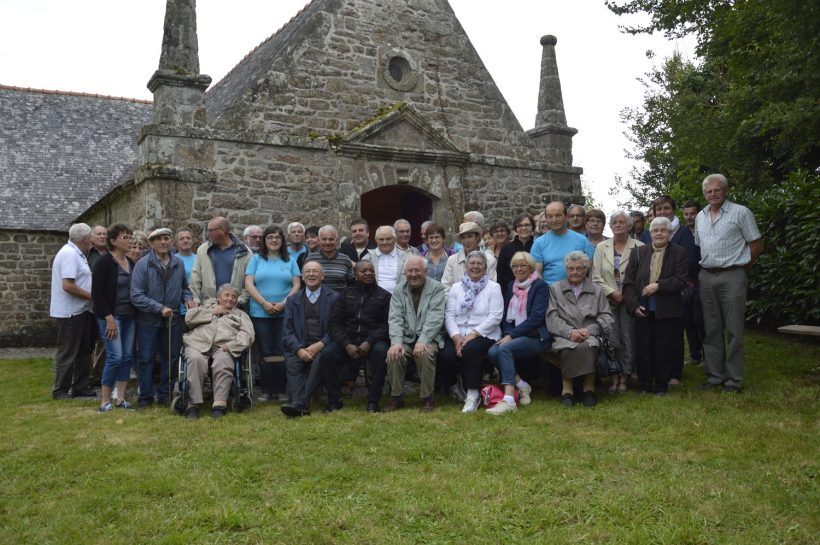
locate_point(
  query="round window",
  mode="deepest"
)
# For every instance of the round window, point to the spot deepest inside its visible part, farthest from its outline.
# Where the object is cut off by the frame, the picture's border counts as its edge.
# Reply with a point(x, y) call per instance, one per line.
point(400, 70)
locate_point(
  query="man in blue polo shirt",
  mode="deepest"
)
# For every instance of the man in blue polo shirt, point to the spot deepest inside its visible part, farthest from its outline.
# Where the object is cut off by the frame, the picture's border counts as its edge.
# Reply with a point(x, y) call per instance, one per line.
point(549, 250)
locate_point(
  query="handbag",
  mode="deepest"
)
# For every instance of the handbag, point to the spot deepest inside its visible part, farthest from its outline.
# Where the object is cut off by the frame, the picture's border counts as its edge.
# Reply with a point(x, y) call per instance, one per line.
point(607, 363)
point(491, 395)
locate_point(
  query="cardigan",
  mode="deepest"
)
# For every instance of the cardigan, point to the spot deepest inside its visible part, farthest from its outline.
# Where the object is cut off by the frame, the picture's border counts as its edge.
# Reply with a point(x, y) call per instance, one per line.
point(668, 300)
point(104, 284)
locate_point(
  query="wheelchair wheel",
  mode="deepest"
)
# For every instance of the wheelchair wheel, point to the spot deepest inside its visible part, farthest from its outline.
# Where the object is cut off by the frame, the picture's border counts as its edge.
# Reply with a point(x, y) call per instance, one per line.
point(178, 404)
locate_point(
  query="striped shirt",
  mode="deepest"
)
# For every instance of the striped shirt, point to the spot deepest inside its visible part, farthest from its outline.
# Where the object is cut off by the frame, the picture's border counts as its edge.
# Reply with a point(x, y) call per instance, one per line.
point(338, 270)
point(725, 242)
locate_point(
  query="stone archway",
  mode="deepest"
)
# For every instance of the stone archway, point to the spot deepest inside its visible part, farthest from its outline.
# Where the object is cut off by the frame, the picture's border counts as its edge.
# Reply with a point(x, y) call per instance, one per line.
point(385, 205)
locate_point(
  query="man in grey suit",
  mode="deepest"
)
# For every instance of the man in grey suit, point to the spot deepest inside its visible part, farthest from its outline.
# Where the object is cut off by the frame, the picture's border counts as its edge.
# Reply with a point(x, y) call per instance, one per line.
point(414, 325)
point(388, 261)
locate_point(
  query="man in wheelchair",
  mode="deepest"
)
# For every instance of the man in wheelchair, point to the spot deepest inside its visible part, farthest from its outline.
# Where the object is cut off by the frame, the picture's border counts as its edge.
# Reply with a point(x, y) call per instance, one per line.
point(221, 332)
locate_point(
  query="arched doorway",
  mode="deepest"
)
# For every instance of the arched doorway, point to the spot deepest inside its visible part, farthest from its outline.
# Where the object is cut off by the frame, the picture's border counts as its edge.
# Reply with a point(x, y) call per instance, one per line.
point(385, 205)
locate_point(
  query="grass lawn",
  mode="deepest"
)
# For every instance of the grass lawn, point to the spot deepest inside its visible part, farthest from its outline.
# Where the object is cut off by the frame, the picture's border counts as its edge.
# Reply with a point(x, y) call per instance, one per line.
point(689, 468)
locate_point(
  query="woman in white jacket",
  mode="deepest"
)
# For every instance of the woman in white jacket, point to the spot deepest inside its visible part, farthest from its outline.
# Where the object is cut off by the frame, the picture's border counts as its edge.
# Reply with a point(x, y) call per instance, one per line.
point(472, 317)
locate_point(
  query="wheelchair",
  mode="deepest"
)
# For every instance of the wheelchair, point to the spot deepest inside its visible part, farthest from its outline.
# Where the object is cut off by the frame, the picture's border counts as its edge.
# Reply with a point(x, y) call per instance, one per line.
point(241, 396)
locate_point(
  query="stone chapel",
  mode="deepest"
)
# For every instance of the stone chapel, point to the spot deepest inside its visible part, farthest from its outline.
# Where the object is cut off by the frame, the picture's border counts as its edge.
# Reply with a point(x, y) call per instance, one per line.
point(353, 108)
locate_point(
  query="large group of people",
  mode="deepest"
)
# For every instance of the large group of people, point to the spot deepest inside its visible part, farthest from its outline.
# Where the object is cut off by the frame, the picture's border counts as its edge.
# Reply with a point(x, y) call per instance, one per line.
point(501, 302)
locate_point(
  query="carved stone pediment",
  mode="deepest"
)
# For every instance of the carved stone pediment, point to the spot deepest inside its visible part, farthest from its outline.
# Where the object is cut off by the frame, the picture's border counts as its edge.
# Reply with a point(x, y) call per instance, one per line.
point(400, 134)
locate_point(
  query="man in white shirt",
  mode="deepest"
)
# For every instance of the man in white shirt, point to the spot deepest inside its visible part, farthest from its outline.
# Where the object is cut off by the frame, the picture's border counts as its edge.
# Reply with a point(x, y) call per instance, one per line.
point(71, 307)
point(730, 243)
point(387, 260)
point(404, 231)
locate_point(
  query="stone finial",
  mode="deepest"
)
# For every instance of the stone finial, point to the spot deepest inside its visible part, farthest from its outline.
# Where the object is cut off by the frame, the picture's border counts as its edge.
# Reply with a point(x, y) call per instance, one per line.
point(550, 101)
point(178, 87)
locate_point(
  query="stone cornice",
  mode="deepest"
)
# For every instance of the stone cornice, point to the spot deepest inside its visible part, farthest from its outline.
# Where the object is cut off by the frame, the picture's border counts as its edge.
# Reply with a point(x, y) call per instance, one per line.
point(552, 128)
point(167, 77)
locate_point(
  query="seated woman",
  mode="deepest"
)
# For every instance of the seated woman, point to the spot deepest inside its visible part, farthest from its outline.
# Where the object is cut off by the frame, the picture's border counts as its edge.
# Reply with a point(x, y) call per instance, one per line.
point(220, 330)
point(471, 316)
point(652, 291)
point(578, 312)
point(523, 328)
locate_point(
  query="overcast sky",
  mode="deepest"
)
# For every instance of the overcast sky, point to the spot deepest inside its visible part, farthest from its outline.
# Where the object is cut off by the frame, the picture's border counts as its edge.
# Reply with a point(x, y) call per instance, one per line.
point(111, 47)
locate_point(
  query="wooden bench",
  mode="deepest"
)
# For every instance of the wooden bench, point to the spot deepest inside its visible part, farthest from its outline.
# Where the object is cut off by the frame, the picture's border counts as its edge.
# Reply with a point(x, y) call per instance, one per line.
point(809, 330)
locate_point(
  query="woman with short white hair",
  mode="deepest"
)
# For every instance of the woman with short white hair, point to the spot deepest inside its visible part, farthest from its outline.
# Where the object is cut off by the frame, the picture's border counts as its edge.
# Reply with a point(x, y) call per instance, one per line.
point(609, 265)
point(652, 292)
point(578, 313)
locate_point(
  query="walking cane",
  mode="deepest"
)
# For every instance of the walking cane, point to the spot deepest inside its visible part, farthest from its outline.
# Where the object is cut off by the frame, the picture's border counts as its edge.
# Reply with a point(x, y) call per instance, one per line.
point(170, 376)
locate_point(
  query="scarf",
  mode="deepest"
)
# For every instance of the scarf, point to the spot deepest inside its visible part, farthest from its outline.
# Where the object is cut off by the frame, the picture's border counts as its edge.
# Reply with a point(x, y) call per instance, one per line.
point(471, 291)
point(657, 262)
point(517, 309)
point(674, 227)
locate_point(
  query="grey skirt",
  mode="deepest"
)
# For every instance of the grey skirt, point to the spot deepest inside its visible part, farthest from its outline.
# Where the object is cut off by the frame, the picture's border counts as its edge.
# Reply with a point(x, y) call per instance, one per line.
point(578, 361)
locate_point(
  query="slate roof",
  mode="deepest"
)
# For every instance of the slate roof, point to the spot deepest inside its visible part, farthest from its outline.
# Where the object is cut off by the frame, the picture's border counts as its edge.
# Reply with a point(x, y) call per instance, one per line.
point(255, 65)
point(61, 152)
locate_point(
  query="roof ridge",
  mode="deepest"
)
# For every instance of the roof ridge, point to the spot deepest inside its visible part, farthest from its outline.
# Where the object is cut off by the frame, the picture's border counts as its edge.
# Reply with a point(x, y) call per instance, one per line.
point(260, 44)
point(72, 94)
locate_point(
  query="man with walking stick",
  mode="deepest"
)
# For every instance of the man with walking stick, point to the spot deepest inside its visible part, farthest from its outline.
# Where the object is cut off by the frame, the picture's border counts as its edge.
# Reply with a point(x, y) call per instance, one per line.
point(158, 287)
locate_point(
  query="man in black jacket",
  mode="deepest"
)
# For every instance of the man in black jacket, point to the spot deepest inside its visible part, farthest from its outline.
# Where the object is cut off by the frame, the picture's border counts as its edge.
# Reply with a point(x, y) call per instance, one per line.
point(359, 326)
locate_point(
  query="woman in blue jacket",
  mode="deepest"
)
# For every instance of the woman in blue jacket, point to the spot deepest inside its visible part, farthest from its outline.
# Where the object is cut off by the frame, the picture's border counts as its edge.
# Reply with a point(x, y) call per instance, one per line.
point(523, 328)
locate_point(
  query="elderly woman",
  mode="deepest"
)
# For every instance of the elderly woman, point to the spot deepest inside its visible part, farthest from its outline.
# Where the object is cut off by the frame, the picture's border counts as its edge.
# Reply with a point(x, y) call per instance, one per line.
point(138, 246)
point(578, 313)
point(652, 292)
point(524, 331)
point(437, 253)
point(111, 295)
point(594, 226)
point(219, 329)
point(271, 276)
point(469, 234)
point(609, 265)
point(471, 316)
point(524, 226)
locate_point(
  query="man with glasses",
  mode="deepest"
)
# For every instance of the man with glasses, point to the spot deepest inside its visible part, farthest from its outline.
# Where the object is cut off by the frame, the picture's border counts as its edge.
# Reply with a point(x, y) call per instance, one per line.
point(253, 237)
point(576, 219)
point(403, 232)
point(220, 260)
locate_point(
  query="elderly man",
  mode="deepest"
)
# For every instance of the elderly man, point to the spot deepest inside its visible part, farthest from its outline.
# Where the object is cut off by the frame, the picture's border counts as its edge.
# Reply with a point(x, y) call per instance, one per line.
point(220, 330)
point(358, 245)
point(359, 326)
point(311, 356)
point(337, 267)
point(387, 260)
point(220, 260)
point(184, 245)
point(577, 218)
point(415, 324)
point(98, 244)
point(469, 234)
point(296, 239)
point(404, 231)
point(158, 288)
point(252, 235)
point(549, 250)
point(71, 307)
point(730, 243)
point(423, 247)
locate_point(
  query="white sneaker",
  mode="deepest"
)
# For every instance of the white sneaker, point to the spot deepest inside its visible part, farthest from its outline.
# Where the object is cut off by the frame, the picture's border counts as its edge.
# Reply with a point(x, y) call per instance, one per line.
point(501, 408)
point(470, 405)
point(263, 398)
point(524, 395)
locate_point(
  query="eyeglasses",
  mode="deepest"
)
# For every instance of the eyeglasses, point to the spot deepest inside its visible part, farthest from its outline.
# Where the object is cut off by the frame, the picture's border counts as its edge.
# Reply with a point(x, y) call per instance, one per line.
point(521, 225)
point(272, 237)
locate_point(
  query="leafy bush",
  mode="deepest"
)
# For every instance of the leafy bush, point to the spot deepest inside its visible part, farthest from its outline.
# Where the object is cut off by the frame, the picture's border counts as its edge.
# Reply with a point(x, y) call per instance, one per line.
point(784, 287)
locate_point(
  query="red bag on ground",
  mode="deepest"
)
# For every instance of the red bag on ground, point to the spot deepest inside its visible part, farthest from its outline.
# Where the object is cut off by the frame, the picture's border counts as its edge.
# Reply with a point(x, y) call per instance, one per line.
point(491, 394)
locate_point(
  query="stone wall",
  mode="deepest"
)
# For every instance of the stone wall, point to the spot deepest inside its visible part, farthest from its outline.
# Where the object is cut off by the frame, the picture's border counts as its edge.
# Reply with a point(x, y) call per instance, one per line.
point(25, 286)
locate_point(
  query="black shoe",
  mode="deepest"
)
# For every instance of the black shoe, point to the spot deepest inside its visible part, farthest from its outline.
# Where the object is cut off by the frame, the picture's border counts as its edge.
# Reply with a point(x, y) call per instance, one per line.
point(729, 389)
point(144, 403)
point(292, 411)
point(218, 412)
point(192, 413)
point(566, 401)
point(333, 407)
point(60, 395)
point(84, 393)
point(373, 408)
point(589, 399)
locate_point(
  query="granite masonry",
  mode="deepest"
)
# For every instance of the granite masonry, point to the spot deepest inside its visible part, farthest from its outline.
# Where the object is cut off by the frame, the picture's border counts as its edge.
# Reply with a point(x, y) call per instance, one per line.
point(353, 108)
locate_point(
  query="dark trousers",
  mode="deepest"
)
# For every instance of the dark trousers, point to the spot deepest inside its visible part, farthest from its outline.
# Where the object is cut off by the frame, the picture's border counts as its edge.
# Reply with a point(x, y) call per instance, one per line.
point(470, 364)
point(72, 363)
point(693, 321)
point(376, 368)
point(660, 345)
point(305, 377)
point(271, 361)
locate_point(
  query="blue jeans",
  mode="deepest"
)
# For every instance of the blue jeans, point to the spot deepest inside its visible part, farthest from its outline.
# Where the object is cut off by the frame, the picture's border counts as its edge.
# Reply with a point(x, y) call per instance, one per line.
point(119, 351)
point(269, 342)
point(522, 347)
point(153, 340)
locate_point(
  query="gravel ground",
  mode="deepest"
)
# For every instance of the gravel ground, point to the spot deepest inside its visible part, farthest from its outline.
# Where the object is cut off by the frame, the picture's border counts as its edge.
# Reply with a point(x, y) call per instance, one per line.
point(21, 353)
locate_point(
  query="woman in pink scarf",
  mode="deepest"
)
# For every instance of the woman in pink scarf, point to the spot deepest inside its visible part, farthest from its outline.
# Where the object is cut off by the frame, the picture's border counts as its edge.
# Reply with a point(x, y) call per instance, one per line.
point(523, 329)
